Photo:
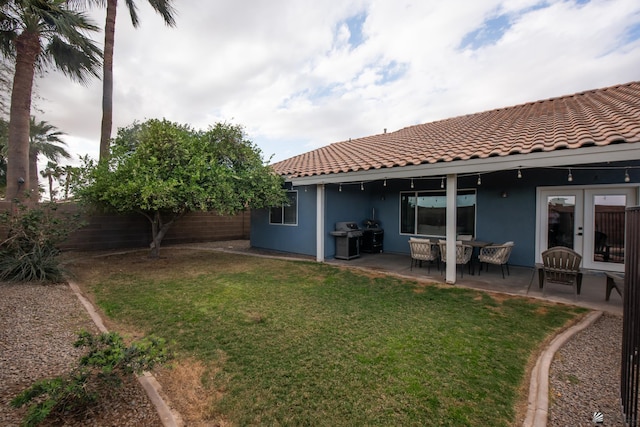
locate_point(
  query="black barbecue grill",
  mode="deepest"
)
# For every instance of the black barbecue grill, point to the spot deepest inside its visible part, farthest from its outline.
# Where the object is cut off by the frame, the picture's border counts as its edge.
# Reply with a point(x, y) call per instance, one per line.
point(372, 237)
point(347, 236)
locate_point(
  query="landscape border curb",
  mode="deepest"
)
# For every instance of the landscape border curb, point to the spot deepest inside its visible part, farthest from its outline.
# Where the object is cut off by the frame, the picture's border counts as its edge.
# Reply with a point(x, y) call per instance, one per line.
point(148, 382)
point(538, 399)
point(538, 403)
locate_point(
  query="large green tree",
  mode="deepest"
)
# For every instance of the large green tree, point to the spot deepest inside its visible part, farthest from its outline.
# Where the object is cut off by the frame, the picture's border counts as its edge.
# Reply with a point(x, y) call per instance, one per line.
point(37, 34)
point(44, 139)
point(164, 170)
point(166, 11)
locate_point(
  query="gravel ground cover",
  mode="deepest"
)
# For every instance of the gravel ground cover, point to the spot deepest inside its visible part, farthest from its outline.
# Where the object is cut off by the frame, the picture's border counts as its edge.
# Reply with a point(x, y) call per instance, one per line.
point(584, 376)
point(38, 326)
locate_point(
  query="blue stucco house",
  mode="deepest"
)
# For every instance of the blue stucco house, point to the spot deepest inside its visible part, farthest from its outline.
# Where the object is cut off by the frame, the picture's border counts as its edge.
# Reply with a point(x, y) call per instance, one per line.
point(552, 172)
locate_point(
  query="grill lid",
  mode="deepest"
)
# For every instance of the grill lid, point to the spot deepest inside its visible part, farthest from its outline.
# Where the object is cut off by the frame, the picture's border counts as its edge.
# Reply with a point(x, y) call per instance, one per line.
point(371, 224)
point(347, 228)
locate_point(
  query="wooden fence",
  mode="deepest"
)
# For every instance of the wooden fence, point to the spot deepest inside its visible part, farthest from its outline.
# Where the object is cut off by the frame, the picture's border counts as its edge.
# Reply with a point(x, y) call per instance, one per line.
point(611, 223)
point(630, 371)
point(114, 231)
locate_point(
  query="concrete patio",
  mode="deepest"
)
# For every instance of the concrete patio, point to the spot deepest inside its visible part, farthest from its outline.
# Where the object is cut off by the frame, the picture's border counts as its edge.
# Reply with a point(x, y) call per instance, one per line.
point(523, 281)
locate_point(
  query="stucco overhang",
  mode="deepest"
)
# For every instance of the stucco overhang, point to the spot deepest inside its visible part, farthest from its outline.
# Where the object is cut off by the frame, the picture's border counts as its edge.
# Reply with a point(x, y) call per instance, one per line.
point(552, 159)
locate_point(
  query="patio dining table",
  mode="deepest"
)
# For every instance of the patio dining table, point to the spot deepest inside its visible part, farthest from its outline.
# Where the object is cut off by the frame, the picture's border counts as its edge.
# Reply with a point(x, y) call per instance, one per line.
point(477, 245)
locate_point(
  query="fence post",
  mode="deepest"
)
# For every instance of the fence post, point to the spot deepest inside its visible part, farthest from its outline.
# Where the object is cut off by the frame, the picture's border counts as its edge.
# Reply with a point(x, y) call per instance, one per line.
point(630, 369)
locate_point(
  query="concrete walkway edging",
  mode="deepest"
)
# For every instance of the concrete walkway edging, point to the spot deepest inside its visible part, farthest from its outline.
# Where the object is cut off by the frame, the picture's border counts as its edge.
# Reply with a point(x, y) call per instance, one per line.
point(148, 382)
point(538, 402)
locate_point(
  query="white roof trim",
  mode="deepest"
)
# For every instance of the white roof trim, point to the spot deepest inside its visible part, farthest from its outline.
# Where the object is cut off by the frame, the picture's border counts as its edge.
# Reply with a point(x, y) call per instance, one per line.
point(563, 157)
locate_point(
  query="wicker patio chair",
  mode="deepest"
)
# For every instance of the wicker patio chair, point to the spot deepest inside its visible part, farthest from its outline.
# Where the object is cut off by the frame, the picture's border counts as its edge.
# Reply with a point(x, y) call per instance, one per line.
point(561, 265)
point(463, 254)
point(496, 254)
point(424, 250)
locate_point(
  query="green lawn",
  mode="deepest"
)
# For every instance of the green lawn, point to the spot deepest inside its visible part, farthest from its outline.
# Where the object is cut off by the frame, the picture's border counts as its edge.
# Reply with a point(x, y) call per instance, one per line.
point(300, 343)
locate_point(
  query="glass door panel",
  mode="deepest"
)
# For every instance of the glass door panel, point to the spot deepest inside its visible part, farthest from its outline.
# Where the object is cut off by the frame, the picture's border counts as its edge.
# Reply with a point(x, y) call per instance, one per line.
point(608, 230)
point(560, 217)
point(605, 227)
point(561, 214)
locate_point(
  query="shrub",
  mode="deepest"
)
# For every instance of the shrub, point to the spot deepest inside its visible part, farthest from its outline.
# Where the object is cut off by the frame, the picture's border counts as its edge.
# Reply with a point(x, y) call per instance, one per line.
point(30, 252)
point(107, 362)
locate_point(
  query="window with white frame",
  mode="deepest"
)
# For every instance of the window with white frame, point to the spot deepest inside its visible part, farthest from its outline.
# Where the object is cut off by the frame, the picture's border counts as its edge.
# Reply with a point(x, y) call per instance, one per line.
point(287, 213)
point(425, 213)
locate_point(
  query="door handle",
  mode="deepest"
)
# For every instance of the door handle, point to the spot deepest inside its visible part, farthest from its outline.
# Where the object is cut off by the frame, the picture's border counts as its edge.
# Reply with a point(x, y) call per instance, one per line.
point(579, 234)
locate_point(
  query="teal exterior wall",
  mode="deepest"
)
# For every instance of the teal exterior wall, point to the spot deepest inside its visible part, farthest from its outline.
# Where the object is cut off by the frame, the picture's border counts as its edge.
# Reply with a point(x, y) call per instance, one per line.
point(299, 239)
point(498, 219)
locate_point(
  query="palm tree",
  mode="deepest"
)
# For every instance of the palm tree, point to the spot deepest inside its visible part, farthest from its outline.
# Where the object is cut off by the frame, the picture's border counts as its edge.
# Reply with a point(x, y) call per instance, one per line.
point(165, 9)
point(43, 139)
point(51, 172)
point(38, 33)
point(70, 174)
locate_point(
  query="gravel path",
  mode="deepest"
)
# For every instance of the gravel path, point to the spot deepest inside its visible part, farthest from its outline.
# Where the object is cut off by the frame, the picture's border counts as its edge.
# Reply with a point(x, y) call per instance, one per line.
point(585, 376)
point(38, 325)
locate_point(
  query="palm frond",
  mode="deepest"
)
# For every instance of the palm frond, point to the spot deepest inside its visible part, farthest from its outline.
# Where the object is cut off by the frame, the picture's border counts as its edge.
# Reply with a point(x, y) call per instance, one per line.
point(84, 4)
point(76, 62)
point(62, 32)
point(164, 9)
point(133, 12)
point(8, 26)
point(67, 23)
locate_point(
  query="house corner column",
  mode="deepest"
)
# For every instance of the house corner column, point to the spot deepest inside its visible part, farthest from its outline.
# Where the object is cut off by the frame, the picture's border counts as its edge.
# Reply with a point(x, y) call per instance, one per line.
point(452, 207)
point(320, 235)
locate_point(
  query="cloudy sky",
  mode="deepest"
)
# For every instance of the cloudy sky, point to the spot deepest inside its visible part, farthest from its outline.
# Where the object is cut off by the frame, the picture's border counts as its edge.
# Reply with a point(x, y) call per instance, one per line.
point(302, 74)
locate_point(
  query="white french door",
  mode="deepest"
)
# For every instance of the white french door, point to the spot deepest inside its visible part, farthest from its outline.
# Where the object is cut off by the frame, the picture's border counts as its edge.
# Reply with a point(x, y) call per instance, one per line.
point(560, 219)
point(605, 217)
point(590, 220)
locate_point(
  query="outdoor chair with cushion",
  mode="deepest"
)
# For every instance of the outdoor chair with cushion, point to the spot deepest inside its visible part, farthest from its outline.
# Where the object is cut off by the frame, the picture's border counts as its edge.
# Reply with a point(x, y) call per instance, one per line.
point(601, 247)
point(463, 254)
point(561, 265)
point(496, 254)
point(423, 250)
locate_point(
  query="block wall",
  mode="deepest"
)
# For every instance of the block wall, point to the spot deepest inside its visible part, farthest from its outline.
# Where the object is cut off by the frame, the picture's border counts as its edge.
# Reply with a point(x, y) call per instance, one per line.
point(114, 231)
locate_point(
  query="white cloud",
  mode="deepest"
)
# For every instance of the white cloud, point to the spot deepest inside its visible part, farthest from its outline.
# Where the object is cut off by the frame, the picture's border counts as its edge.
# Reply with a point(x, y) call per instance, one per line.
point(286, 71)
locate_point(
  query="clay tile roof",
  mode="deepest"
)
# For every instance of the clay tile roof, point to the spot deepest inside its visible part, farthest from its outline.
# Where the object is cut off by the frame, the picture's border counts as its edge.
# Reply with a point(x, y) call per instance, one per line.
point(593, 118)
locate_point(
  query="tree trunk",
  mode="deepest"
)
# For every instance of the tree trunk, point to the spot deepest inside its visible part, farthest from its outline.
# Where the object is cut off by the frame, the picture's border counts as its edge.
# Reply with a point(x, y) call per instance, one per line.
point(67, 182)
point(107, 79)
point(155, 225)
point(27, 50)
point(158, 231)
point(51, 187)
point(34, 188)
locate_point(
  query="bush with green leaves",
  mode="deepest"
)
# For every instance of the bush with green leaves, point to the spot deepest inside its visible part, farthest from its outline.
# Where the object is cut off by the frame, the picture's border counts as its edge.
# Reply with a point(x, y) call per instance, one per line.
point(105, 365)
point(164, 170)
point(30, 252)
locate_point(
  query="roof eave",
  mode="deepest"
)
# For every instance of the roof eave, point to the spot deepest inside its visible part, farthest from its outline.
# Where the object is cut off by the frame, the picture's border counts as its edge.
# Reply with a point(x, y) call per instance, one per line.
point(563, 157)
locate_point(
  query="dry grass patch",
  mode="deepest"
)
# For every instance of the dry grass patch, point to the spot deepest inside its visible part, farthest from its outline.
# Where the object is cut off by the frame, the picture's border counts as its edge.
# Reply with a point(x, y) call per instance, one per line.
point(190, 387)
